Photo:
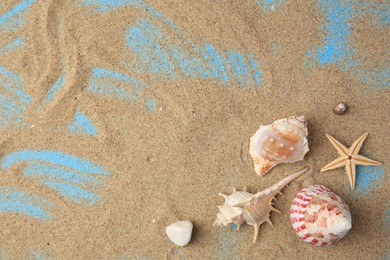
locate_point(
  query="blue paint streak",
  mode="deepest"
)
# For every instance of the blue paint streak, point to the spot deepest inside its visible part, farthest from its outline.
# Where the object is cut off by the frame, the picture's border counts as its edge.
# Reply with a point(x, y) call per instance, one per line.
point(13, 99)
point(268, 5)
point(70, 183)
point(107, 82)
point(151, 57)
point(12, 46)
point(110, 74)
point(11, 114)
point(150, 104)
point(367, 178)
point(14, 201)
point(240, 68)
point(156, 54)
point(336, 48)
point(216, 63)
point(14, 84)
point(72, 192)
point(60, 158)
point(49, 171)
point(375, 78)
point(190, 66)
point(379, 13)
point(388, 215)
point(56, 86)
point(83, 125)
point(257, 74)
point(9, 21)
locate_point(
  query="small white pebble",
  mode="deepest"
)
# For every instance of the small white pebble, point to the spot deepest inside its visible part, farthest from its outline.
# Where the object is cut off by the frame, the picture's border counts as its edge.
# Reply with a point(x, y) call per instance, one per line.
point(180, 232)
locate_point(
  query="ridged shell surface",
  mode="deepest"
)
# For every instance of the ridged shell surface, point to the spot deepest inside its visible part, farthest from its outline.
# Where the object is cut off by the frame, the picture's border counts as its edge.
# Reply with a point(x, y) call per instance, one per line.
point(254, 209)
point(283, 141)
point(319, 216)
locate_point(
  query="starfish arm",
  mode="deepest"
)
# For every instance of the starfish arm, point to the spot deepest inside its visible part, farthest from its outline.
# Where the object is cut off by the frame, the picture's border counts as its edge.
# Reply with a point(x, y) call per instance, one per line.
point(339, 162)
point(351, 172)
point(341, 149)
point(361, 160)
point(355, 148)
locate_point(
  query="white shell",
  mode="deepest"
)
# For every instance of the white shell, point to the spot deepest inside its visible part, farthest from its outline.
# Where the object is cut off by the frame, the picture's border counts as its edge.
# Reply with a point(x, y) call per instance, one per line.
point(283, 141)
point(228, 212)
point(253, 209)
point(319, 216)
point(180, 232)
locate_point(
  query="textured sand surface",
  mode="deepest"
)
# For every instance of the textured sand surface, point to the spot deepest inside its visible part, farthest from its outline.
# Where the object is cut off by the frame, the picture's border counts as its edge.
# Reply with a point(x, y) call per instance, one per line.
point(118, 118)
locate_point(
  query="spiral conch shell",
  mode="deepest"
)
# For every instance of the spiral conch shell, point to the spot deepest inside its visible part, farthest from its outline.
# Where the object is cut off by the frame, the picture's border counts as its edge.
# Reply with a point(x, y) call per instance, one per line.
point(319, 216)
point(254, 209)
point(283, 141)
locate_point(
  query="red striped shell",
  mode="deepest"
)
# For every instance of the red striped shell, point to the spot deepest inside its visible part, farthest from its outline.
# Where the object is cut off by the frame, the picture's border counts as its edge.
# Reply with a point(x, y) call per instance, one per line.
point(319, 216)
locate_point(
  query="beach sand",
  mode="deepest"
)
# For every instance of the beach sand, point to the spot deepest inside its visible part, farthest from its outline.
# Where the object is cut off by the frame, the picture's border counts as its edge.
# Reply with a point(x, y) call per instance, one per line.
point(154, 104)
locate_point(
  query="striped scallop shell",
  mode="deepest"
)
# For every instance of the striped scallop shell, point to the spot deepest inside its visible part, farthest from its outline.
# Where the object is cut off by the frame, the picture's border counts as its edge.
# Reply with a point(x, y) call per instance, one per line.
point(283, 141)
point(319, 216)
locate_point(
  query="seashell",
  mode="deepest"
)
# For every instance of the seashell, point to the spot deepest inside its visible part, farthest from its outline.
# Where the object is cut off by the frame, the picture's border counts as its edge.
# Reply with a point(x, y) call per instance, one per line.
point(254, 209)
point(340, 108)
point(180, 232)
point(283, 141)
point(319, 216)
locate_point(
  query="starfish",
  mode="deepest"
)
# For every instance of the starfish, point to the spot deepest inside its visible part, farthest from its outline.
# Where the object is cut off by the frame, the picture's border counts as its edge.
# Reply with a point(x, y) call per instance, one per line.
point(349, 158)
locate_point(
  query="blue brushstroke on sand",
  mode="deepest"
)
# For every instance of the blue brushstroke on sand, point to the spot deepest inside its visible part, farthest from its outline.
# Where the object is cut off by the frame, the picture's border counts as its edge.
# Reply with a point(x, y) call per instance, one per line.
point(216, 64)
point(121, 86)
point(12, 46)
point(338, 47)
point(56, 86)
point(271, 5)
point(240, 68)
point(388, 215)
point(53, 157)
point(189, 65)
point(151, 57)
point(50, 171)
point(72, 177)
point(156, 54)
point(73, 192)
point(13, 19)
point(13, 200)
point(13, 84)
point(13, 99)
point(75, 185)
point(367, 178)
point(82, 125)
point(379, 14)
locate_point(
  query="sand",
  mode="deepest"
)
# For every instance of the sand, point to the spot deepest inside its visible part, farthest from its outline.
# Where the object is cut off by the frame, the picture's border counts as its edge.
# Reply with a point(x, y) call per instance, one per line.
point(153, 103)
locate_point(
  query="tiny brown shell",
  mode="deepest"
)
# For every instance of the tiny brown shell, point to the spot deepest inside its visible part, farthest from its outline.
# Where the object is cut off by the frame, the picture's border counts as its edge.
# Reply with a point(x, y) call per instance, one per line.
point(340, 108)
